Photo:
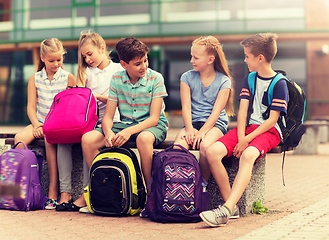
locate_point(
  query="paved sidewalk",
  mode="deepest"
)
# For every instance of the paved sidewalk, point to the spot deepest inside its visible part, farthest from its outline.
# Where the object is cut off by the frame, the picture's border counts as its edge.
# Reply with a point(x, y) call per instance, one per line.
point(298, 210)
point(308, 223)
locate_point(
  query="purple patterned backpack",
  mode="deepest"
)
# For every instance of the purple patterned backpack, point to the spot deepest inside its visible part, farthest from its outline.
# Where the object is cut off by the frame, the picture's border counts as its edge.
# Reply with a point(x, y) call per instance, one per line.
point(21, 166)
point(178, 191)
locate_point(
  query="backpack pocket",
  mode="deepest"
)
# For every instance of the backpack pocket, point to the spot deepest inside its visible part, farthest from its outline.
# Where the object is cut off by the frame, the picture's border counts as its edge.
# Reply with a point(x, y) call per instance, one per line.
point(180, 188)
point(109, 186)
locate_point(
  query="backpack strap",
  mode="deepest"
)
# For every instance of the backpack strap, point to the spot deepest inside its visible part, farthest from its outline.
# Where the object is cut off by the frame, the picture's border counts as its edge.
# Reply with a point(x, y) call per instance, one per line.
point(270, 88)
point(252, 86)
point(252, 82)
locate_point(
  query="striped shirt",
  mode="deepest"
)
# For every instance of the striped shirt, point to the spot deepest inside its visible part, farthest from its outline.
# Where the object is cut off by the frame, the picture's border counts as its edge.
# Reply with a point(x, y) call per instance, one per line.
point(260, 104)
point(47, 90)
point(134, 101)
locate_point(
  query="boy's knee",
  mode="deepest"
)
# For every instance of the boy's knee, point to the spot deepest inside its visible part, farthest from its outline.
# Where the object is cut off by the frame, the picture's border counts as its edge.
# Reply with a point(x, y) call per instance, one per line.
point(249, 155)
point(87, 139)
point(145, 138)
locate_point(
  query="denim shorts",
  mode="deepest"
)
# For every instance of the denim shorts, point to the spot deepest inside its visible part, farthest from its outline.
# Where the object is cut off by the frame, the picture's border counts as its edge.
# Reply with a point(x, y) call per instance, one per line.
point(198, 126)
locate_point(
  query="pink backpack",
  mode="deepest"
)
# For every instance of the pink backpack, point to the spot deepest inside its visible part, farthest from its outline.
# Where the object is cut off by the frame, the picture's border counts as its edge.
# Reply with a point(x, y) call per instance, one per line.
point(72, 113)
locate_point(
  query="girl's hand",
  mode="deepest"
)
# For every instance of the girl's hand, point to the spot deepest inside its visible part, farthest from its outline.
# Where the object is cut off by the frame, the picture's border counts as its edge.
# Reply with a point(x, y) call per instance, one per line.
point(109, 139)
point(240, 147)
point(189, 136)
point(197, 140)
point(38, 131)
point(121, 137)
point(97, 96)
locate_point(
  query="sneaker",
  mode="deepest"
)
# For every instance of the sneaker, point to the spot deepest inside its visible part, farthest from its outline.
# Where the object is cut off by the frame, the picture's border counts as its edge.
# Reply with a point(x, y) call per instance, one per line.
point(143, 214)
point(235, 213)
point(84, 210)
point(216, 217)
point(51, 204)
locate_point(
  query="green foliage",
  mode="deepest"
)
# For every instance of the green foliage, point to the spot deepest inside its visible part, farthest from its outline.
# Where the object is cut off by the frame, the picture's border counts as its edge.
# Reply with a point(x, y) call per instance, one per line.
point(258, 208)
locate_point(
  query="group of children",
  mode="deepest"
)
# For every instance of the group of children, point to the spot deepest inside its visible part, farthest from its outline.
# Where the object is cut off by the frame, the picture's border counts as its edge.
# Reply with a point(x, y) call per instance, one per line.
point(131, 108)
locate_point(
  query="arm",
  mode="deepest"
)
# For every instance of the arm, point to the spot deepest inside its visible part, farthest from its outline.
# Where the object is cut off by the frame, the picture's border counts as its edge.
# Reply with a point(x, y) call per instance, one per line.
point(185, 95)
point(107, 122)
point(71, 80)
point(153, 120)
point(243, 141)
point(242, 118)
point(80, 83)
point(101, 98)
point(219, 105)
point(32, 108)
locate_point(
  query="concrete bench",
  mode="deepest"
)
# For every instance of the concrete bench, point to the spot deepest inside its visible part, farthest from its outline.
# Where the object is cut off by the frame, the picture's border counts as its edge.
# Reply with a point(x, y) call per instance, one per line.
point(254, 191)
point(316, 132)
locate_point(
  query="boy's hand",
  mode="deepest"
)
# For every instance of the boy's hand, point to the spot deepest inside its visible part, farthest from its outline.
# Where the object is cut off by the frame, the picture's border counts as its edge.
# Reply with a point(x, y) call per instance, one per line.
point(38, 131)
point(240, 147)
point(109, 139)
point(121, 137)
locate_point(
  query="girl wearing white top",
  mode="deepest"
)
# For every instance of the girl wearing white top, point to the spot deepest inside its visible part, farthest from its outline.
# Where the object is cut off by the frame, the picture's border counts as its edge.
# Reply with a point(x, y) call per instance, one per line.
point(49, 80)
point(95, 71)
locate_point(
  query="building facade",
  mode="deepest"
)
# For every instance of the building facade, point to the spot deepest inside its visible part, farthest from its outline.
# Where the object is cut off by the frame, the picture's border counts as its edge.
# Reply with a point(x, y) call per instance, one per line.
point(168, 27)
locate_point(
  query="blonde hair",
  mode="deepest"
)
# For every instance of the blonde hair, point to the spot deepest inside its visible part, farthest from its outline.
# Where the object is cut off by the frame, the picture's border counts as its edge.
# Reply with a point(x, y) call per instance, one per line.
point(49, 45)
point(213, 47)
point(262, 43)
point(96, 40)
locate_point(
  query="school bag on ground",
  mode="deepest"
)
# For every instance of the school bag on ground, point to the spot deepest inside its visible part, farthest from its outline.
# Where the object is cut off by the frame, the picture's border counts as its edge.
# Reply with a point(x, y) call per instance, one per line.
point(178, 191)
point(23, 167)
point(116, 184)
point(291, 125)
point(72, 113)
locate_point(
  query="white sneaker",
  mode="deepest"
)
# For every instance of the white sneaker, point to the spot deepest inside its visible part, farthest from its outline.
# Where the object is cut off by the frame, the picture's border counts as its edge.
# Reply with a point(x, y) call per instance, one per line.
point(84, 210)
point(216, 217)
point(235, 213)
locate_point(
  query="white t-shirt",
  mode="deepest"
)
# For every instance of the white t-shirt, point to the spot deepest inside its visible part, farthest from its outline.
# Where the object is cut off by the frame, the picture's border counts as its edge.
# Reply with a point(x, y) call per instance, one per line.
point(99, 83)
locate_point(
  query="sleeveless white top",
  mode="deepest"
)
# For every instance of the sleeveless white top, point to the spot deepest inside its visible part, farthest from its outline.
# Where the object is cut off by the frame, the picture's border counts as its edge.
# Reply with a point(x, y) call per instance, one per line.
point(47, 90)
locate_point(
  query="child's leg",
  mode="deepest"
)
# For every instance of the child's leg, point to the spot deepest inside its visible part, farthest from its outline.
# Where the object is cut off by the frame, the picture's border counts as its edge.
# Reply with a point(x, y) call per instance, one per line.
point(91, 143)
point(212, 136)
point(51, 156)
point(64, 163)
point(243, 176)
point(25, 136)
point(179, 140)
point(214, 154)
point(144, 144)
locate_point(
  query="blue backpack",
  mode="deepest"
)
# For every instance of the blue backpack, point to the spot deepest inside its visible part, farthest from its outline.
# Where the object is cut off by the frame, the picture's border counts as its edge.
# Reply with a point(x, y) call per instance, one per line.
point(291, 125)
point(178, 191)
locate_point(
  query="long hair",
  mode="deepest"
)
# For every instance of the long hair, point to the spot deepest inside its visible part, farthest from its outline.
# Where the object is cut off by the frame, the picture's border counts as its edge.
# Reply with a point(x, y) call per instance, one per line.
point(88, 37)
point(213, 47)
point(49, 45)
